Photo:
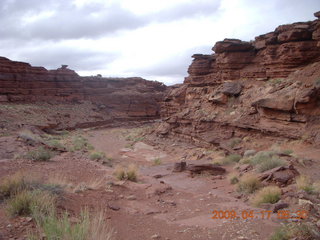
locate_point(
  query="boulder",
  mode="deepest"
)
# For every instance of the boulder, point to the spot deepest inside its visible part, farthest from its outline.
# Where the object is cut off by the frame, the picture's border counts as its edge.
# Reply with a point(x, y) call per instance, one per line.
point(179, 166)
point(232, 45)
point(210, 168)
point(282, 176)
point(231, 88)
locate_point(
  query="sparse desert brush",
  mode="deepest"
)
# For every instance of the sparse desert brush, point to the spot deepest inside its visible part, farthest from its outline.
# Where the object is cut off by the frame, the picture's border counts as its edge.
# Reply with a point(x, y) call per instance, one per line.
point(270, 163)
point(88, 227)
point(29, 136)
point(317, 82)
point(157, 161)
point(261, 157)
point(12, 185)
point(233, 178)
point(270, 194)
point(130, 173)
point(26, 202)
point(81, 143)
point(40, 154)
point(305, 183)
point(305, 231)
point(54, 143)
point(316, 187)
point(234, 142)
point(287, 151)
point(248, 183)
point(97, 155)
point(232, 158)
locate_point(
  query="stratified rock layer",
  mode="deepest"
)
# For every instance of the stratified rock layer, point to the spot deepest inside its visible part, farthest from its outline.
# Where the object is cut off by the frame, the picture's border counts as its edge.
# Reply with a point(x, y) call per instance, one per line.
point(270, 86)
point(122, 97)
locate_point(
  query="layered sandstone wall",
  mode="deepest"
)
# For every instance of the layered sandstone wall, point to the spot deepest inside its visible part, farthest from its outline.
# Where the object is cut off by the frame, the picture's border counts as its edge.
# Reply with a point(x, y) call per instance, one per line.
point(124, 97)
point(269, 86)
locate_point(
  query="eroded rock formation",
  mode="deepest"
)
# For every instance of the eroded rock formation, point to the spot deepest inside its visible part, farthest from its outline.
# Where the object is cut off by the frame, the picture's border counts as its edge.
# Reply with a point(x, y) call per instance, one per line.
point(122, 97)
point(269, 86)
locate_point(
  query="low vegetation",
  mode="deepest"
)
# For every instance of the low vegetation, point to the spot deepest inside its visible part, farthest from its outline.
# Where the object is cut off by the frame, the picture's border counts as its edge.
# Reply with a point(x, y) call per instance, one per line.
point(248, 184)
point(157, 161)
point(81, 143)
point(233, 178)
point(270, 164)
point(305, 183)
point(270, 194)
point(305, 231)
point(234, 142)
point(27, 202)
point(231, 159)
point(97, 155)
point(40, 154)
point(129, 173)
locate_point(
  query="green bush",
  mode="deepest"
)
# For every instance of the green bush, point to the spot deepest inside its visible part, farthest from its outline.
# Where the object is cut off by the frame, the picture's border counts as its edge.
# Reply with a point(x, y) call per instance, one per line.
point(232, 158)
point(157, 161)
point(270, 194)
point(261, 157)
point(270, 164)
point(248, 184)
point(97, 155)
point(40, 154)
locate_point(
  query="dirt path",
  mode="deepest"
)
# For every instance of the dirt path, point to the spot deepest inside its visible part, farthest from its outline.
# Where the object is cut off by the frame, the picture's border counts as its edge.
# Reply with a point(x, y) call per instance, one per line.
point(161, 205)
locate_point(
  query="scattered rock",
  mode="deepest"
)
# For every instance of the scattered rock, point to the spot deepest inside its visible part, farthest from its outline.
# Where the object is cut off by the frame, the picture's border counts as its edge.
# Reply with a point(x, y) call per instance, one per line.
point(113, 207)
point(231, 88)
point(210, 168)
point(245, 168)
point(131, 197)
point(179, 166)
point(158, 176)
point(283, 175)
point(155, 236)
point(279, 206)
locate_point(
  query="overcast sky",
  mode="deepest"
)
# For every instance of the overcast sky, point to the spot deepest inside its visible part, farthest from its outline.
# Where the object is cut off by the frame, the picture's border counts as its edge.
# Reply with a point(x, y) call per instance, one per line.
point(153, 39)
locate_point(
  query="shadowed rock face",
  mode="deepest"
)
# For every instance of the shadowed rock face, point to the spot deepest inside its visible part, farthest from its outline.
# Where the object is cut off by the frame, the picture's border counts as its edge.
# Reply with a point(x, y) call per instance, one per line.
point(269, 86)
point(124, 97)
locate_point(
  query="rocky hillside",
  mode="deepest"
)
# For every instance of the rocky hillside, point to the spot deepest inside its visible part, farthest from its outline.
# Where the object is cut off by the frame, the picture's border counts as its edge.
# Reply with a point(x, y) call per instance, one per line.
point(121, 97)
point(269, 86)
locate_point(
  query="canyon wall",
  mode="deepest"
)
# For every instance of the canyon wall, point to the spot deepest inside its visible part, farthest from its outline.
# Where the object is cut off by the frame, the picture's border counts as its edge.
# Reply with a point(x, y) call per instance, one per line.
point(269, 86)
point(134, 98)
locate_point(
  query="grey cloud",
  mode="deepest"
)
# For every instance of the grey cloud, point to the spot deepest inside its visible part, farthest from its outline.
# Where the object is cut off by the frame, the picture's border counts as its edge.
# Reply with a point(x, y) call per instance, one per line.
point(176, 65)
point(90, 21)
point(79, 60)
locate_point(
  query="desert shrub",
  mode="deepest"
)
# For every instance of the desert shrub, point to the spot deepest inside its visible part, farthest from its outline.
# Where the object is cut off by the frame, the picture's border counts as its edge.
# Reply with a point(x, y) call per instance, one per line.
point(27, 202)
point(40, 154)
point(12, 185)
point(87, 228)
point(287, 151)
point(261, 157)
point(232, 158)
point(233, 178)
point(234, 142)
point(132, 174)
point(157, 161)
point(270, 163)
point(305, 183)
point(81, 143)
point(270, 194)
point(55, 144)
point(97, 155)
point(129, 173)
point(305, 231)
point(248, 184)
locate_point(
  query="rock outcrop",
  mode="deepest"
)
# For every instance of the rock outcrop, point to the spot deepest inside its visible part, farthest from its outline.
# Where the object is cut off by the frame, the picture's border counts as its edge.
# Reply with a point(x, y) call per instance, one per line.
point(121, 97)
point(269, 86)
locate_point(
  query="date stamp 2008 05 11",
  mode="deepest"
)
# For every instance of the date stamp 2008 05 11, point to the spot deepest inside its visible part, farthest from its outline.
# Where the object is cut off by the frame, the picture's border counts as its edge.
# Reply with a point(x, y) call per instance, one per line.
point(250, 214)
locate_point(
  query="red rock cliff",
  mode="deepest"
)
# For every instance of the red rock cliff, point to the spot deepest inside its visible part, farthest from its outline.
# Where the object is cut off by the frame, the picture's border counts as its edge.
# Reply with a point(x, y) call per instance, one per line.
point(124, 97)
point(269, 86)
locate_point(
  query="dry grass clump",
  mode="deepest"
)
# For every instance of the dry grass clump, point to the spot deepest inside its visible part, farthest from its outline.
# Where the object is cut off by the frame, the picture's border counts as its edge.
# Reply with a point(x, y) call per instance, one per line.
point(97, 155)
point(40, 154)
point(12, 185)
point(231, 159)
point(248, 184)
point(305, 231)
point(81, 143)
point(130, 173)
point(305, 183)
point(26, 202)
point(270, 194)
point(270, 164)
point(157, 161)
point(233, 178)
point(87, 228)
